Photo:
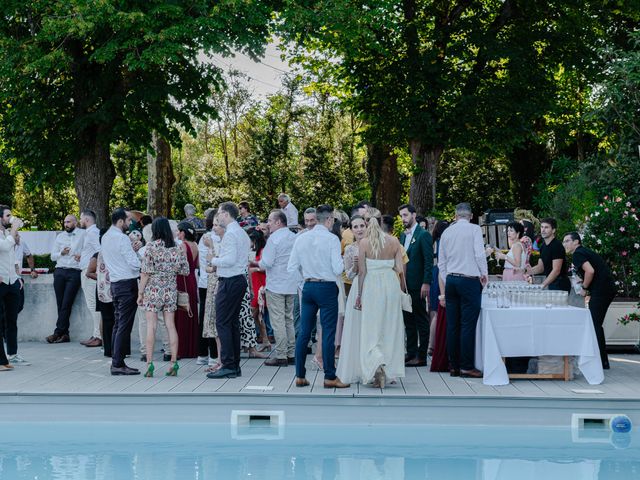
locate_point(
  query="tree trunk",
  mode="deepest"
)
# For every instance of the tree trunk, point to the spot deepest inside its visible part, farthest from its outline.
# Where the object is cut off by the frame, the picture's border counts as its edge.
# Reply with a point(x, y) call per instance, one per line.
point(94, 176)
point(528, 162)
point(161, 178)
point(422, 193)
point(382, 168)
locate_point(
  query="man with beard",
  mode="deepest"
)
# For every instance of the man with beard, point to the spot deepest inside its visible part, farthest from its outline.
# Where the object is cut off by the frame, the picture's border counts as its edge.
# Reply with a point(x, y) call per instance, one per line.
point(418, 244)
point(9, 289)
point(123, 265)
point(66, 277)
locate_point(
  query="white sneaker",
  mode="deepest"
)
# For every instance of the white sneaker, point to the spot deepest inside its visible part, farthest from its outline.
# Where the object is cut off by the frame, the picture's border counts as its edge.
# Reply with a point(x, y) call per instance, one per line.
point(202, 361)
point(213, 361)
point(17, 360)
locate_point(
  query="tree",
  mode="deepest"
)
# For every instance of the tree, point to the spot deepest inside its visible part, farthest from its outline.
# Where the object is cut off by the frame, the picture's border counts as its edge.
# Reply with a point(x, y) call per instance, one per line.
point(76, 77)
point(433, 76)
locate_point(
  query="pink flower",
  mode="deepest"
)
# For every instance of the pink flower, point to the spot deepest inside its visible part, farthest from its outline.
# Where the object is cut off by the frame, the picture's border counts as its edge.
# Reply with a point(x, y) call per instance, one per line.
point(606, 197)
point(624, 253)
point(628, 204)
point(618, 199)
point(606, 209)
point(622, 229)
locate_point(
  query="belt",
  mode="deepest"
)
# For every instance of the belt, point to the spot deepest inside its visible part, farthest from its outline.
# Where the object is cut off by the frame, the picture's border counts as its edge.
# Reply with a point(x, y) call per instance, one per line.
point(317, 280)
point(463, 276)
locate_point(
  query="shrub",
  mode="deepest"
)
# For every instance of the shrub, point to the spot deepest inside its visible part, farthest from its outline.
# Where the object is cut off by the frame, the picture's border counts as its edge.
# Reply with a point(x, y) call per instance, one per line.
point(612, 229)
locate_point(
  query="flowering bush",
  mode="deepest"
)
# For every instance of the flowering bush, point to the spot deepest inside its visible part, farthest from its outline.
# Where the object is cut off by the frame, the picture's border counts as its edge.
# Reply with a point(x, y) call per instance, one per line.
point(612, 229)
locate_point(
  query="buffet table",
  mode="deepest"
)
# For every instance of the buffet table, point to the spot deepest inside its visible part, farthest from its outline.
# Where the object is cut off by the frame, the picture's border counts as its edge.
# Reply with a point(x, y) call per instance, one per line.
point(532, 332)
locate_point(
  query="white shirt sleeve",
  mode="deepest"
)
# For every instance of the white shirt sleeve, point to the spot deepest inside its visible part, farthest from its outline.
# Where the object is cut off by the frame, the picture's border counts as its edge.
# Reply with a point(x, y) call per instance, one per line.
point(442, 259)
point(56, 252)
point(268, 258)
point(294, 261)
point(128, 254)
point(7, 243)
point(228, 252)
point(337, 264)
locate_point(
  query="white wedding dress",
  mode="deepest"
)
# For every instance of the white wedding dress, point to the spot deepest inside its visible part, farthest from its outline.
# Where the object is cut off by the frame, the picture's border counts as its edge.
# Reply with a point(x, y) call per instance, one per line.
point(382, 332)
point(348, 369)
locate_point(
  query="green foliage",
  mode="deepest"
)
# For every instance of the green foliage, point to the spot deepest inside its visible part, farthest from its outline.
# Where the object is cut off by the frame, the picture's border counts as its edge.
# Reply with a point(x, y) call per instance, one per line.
point(613, 230)
point(481, 180)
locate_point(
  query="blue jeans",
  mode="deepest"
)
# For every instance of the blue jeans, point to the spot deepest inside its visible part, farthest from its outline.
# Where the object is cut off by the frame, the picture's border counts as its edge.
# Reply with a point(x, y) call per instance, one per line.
point(464, 298)
point(322, 296)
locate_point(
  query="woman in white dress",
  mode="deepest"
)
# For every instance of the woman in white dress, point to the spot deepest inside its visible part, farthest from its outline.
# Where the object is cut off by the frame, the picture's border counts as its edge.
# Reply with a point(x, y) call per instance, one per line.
point(381, 271)
point(348, 369)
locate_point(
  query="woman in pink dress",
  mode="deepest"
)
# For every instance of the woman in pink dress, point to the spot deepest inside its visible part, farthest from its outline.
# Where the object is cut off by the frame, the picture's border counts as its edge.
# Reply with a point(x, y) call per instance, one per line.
point(516, 259)
point(187, 320)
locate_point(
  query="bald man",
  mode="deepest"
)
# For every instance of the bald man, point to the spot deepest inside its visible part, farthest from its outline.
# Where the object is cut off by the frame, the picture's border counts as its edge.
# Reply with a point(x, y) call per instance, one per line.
point(66, 278)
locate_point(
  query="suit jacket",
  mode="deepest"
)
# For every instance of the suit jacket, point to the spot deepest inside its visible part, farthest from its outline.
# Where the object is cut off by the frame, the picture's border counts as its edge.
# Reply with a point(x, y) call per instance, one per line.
point(420, 252)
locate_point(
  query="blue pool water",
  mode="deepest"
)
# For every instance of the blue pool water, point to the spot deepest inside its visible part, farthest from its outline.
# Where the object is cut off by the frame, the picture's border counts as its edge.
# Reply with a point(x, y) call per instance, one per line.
point(187, 451)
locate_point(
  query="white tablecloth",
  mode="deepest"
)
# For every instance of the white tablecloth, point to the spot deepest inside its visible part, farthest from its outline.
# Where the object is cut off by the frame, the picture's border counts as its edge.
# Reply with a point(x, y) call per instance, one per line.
point(531, 332)
point(40, 243)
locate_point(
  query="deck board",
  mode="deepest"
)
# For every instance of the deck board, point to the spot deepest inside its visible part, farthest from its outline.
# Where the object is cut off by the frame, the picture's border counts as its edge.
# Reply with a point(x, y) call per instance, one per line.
point(74, 369)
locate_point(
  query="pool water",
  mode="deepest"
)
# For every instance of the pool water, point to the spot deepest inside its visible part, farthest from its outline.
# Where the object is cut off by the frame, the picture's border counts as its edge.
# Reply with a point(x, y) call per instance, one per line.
point(187, 451)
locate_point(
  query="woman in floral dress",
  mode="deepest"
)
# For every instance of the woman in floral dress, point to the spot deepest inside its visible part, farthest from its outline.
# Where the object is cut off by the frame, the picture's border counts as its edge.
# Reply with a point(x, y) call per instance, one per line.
point(162, 262)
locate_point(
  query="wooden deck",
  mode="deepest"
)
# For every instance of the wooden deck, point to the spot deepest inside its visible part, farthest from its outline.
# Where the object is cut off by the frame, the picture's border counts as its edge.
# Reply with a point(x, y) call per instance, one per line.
point(74, 369)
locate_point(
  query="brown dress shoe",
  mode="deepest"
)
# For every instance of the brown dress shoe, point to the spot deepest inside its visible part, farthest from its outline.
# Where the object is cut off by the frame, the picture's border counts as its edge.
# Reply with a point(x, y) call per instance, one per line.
point(52, 338)
point(475, 373)
point(302, 382)
point(276, 362)
point(88, 340)
point(96, 342)
point(62, 339)
point(335, 383)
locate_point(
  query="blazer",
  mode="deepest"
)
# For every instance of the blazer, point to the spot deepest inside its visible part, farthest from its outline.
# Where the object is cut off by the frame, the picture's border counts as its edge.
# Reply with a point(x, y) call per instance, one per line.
point(420, 253)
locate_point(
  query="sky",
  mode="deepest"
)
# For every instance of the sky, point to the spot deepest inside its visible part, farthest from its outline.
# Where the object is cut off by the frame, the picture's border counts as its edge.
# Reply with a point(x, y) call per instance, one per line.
point(265, 77)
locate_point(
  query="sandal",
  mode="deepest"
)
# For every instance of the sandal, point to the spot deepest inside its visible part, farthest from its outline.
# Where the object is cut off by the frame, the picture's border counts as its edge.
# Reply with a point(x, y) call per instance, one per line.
point(265, 347)
point(256, 354)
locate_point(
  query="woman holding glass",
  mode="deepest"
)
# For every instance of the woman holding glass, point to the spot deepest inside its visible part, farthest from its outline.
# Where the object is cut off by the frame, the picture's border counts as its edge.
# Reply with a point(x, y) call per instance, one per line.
point(516, 259)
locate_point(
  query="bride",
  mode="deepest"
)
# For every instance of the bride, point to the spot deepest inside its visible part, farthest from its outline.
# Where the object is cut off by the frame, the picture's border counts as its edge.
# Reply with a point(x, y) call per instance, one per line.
point(379, 300)
point(348, 369)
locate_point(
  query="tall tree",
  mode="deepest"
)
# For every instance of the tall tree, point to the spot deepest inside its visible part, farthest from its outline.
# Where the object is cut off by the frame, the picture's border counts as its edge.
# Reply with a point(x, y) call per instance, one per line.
point(438, 75)
point(77, 76)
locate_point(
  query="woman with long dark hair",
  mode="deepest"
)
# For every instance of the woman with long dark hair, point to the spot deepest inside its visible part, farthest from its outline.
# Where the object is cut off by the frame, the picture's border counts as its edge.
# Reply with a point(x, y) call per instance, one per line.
point(162, 262)
point(187, 319)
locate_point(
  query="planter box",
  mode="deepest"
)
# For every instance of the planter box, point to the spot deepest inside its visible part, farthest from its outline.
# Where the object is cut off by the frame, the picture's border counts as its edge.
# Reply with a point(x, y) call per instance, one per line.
point(621, 335)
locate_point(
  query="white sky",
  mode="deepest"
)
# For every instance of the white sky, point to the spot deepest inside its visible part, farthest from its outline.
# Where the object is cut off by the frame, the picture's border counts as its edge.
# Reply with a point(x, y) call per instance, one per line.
point(265, 77)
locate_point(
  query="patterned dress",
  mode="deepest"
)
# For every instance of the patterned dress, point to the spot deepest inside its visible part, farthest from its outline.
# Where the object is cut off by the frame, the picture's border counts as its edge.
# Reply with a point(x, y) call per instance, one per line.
point(162, 265)
point(247, 324)
point(209, 329)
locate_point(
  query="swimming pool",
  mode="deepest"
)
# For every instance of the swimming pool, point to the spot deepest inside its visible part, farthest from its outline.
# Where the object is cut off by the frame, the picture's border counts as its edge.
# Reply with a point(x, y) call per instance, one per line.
point(185, 451)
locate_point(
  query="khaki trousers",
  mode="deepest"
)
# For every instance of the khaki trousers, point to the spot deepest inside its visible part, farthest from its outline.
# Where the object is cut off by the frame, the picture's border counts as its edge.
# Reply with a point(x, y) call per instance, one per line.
point(280, 307)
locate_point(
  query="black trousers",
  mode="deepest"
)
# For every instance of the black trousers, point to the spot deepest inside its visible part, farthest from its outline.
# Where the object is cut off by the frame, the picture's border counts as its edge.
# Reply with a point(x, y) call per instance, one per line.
point(598, 306)
point(66, 283)
point(206, 346)
point(108, 319)
point(228, 303)
point(464, 298)
point(125, 295)
point(10, 300)
point(416, 325)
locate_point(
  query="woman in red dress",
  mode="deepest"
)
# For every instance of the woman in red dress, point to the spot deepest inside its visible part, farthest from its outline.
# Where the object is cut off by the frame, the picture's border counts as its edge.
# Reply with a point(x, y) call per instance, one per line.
point(187, 320)
point(258, 283)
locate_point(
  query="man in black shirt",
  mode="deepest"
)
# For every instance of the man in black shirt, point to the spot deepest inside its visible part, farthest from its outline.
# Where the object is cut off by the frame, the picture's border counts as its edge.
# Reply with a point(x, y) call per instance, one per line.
point(597, 283)
point(553, 261)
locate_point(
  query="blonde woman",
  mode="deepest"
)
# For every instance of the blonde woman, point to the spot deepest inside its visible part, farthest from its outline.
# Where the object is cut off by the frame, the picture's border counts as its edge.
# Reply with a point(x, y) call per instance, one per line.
point(380, 275)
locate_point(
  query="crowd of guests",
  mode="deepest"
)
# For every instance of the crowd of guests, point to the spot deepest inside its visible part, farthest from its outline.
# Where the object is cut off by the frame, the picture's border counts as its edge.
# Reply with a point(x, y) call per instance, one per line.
point(230, 284)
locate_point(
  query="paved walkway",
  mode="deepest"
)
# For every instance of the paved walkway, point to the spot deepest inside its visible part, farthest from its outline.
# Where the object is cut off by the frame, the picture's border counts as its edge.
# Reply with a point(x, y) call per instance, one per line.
point(74, 369)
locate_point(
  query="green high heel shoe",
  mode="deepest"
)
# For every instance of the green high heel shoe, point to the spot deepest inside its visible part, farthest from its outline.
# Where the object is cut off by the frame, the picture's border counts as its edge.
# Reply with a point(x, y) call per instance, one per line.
point(150, 370)
point(173, 371)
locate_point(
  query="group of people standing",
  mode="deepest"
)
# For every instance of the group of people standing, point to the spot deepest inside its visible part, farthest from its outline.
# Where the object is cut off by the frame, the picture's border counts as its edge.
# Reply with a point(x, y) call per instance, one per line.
point(377, 303)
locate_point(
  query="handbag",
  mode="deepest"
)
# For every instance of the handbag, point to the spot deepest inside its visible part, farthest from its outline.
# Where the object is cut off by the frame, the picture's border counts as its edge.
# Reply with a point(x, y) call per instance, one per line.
point(183, 299)
point(406, 298)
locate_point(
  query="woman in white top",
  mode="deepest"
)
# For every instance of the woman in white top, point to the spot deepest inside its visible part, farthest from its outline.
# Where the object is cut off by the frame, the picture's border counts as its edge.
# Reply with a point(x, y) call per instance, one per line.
point(348, 369)
point(380, 273)
point(515, 260)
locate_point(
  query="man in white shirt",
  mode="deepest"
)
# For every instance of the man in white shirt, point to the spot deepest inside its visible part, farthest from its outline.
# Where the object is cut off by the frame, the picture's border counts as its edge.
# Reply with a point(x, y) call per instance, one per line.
point(90, 248)
point(289, 209)
point(463, 268)
point(9, 289)
point(316, 256)
point(66, 277)
point(123, 265)
point(231, 266)
point(281, 288)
